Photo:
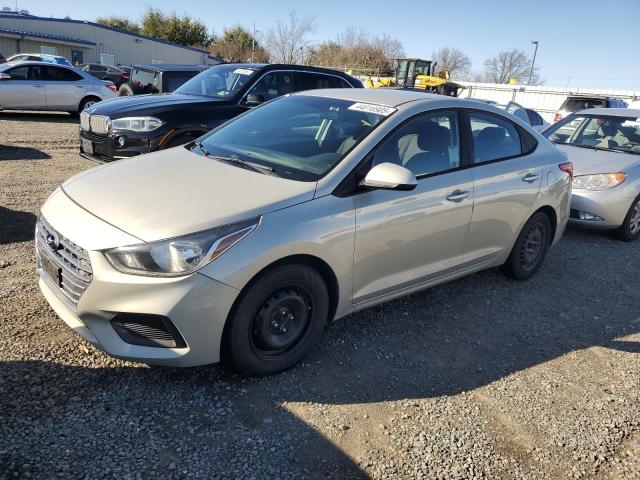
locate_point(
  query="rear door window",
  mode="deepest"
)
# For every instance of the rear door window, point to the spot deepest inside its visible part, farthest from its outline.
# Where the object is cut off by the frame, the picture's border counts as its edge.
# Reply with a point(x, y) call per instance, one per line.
point(272, 85)
point(60, 75)
point(493, 138)
point(314, 81)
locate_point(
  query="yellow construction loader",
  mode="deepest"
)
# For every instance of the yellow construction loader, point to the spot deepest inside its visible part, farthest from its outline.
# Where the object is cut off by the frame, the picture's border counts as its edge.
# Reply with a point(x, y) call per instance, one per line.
point(416, 73)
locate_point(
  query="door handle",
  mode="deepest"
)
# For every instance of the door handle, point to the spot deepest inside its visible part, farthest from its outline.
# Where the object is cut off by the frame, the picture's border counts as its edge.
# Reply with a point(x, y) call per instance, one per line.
point(458, 195)
point(530, 178)
point(80, 86)
point(38, 85)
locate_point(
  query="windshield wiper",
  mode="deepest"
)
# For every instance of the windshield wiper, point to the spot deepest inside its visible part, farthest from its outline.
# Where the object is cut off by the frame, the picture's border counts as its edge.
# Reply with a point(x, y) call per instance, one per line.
point(234, 159)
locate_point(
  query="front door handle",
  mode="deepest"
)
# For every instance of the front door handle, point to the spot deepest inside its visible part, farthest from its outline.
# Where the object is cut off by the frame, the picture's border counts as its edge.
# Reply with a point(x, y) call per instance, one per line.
point(38, 85)
point(458, 195)
point(530, 178)
point(80, 86)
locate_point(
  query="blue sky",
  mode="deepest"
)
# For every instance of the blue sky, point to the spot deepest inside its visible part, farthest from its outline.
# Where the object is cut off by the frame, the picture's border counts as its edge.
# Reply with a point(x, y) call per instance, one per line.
point(582, 43)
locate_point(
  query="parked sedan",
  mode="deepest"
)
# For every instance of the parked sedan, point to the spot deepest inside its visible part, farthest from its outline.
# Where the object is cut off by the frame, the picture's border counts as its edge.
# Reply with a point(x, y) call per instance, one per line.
point(106, 72)
point(604, 146)
point(244, 244)
point(40, 57)
point(133, 125)
point(43, 86)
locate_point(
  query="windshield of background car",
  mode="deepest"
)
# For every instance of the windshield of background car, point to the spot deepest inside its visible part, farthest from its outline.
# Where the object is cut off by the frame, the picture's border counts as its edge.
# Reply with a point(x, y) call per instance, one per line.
point(219, 81)
point(299, 137)
point(599, 132)
point(146, 80)
point(577, 104)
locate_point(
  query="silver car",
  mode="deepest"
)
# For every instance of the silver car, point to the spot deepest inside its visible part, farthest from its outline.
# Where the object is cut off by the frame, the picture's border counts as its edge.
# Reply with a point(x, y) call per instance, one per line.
point(45, 86)
point(244, 244)
point(604, 146)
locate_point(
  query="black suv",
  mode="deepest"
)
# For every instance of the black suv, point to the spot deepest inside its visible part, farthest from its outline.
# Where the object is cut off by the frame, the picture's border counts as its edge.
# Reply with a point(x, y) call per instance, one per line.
point(158, 78)
point(128, 126)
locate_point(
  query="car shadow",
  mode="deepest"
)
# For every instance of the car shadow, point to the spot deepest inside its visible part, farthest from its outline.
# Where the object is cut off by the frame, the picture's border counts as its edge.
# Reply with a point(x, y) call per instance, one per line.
point(12, 152)
point(37, 116)
point(16, 226)
point(450, 339)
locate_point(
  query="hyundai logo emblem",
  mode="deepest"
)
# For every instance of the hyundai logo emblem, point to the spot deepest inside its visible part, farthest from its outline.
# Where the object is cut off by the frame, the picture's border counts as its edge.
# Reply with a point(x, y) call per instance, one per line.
point(53, 241)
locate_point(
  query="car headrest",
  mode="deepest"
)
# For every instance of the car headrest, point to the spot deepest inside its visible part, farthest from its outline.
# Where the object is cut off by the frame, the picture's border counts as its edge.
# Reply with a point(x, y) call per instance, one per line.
point(491, 134)
point(608, 129)
point(434, 137)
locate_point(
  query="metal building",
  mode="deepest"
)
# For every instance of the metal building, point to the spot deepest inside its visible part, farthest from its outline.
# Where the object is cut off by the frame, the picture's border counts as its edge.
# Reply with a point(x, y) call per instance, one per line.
point(88, 42)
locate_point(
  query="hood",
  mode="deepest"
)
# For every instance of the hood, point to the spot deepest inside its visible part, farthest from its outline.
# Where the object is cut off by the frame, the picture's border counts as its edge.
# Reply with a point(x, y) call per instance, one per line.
point(176, 192)
point(587, 161)
point(122, 106)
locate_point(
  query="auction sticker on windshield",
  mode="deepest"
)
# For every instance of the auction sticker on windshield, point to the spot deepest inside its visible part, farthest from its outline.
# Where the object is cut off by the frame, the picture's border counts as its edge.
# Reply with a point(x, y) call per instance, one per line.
point(243, 71)
point(371, 108)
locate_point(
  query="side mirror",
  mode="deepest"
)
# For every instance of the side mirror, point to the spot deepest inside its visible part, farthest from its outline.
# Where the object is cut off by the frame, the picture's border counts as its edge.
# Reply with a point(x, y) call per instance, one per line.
point(254, 99)
point(390, 176)
point(5, 76)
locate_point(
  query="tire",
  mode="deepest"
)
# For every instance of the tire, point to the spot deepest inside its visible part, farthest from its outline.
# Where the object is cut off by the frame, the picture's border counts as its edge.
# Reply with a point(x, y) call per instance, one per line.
point(530, 248)
point(179, 140)
point(277, 321)
point(87, 102)
point(125, 90)
point(630, 228)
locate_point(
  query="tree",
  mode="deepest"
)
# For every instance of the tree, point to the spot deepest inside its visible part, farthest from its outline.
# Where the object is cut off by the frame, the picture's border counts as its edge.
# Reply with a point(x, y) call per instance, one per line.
point(360, 51)
point(286, 41)
point(510, 64)
point(119, 22)
point(183, 30)
point(456, 62)
point(237, 45)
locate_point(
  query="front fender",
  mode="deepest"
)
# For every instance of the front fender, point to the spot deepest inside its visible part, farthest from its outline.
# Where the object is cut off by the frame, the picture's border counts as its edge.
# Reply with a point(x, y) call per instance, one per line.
point(323, 228)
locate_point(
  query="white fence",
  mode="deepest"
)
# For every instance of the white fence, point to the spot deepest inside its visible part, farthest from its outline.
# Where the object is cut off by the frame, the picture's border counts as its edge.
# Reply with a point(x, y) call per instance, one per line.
point(545, 100)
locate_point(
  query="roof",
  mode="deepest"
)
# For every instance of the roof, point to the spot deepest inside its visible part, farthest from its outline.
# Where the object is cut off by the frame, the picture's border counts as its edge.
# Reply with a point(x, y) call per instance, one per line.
point(13, 16)
point(611, 112)
point(44, 36)
point(380, 96)
point(168, 67)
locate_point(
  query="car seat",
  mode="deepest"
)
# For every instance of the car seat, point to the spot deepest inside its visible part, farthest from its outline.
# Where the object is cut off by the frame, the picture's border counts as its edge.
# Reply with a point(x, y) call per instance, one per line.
point(434, 140)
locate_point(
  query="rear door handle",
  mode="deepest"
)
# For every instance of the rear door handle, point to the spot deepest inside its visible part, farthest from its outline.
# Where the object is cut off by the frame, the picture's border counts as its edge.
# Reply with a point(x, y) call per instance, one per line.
point(530, 178)
point(458, 195)
point(80, 86)
point(38, 85)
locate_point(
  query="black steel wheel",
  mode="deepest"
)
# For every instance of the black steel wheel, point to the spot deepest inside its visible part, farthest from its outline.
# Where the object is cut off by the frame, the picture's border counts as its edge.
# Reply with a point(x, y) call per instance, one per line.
point(276, 321)
point(530, 248)
point(630, 228)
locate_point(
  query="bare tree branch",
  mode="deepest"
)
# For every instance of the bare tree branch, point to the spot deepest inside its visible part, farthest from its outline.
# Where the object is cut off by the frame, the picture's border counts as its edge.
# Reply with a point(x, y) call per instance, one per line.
point(456, 62)
point(286, 41)
point(510, 64)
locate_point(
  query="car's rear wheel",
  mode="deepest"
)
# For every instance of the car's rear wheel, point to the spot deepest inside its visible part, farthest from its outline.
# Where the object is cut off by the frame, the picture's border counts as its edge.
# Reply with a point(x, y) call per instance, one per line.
point(278, 319)
point(530, 248)
point(630, 228)
point(87, 102)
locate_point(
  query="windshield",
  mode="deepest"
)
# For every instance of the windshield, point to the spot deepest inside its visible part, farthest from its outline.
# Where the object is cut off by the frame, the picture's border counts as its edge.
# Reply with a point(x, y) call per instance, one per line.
point(577, 104)
point(598, 132)
point(219, 81)
point(299, 137)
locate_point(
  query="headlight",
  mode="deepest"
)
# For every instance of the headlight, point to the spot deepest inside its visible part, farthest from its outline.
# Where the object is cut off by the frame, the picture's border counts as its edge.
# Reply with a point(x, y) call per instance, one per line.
point(181, 255)
point(136, 124)
point(601, 181)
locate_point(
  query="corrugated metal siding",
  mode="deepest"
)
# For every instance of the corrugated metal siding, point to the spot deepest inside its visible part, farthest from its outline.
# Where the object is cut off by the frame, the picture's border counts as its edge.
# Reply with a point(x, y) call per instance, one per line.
point(545, 100)
point(127, 49)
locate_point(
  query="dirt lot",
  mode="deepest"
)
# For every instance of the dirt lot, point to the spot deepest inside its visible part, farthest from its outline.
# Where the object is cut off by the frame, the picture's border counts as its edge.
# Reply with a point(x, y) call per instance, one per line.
point(481, 378)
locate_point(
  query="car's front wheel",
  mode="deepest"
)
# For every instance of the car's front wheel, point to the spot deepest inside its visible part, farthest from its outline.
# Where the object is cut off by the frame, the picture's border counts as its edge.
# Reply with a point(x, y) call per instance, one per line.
point(278, 319)
point(630, 228)
point(530, 248)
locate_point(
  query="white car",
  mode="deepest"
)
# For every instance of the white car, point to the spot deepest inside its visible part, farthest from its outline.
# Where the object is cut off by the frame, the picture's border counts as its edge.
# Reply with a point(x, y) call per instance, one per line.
point(45, 86)
point(40, 57)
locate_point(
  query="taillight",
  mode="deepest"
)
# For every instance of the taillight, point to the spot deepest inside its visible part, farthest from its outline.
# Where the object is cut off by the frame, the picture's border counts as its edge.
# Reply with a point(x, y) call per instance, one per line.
point(557, 117)
point(112, 88)
point(125, 75)
point(568, 168)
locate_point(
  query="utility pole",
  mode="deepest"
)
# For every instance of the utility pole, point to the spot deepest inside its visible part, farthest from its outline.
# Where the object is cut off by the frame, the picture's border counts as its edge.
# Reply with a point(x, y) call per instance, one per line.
point(253, 41)
point(533, 62)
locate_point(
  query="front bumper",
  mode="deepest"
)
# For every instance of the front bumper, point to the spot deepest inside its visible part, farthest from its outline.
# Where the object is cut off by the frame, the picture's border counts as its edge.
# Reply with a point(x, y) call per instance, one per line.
point(196, 305)
point(610, 205)
point(106, 148)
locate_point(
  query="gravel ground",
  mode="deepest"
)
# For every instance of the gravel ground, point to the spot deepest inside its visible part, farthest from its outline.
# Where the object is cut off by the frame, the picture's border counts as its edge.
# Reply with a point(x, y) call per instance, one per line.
point(480, 378)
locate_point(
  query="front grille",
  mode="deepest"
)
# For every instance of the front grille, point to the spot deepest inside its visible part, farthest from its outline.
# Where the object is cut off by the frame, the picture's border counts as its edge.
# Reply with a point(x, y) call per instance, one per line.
point(94, 137)
point(99, 123)
point(84, 121)
point(72, 262)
